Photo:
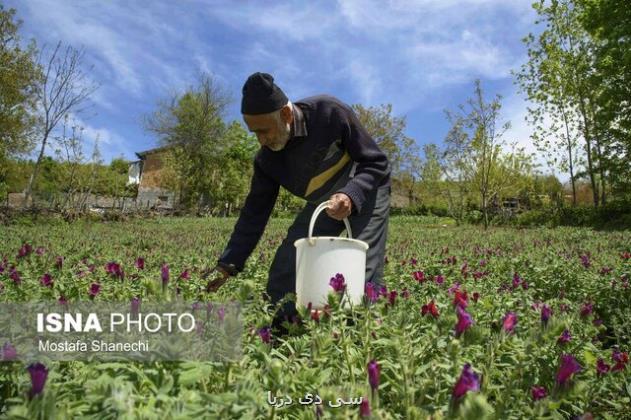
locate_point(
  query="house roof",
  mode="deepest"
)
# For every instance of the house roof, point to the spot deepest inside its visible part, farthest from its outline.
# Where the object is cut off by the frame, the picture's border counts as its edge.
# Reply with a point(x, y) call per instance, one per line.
point(141, 155)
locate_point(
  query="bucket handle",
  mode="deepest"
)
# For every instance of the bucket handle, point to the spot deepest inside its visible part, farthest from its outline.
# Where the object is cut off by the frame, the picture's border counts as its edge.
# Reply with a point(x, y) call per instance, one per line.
point(314, 216)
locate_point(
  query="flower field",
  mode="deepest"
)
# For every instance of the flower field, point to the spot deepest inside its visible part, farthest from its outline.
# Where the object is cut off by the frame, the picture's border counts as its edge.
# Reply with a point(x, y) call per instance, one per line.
point(499, 324)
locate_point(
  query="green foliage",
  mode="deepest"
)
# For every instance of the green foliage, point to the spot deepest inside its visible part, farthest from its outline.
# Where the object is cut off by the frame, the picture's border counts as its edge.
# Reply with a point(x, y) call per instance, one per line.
point(609, 23)
point(419, 356)
point(612, 215)
point(209, 163)
point(18, 79)
point(475, 163)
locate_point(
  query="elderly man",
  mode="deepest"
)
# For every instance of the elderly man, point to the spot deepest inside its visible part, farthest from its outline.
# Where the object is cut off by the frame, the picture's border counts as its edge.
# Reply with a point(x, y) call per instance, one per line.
point(317, 149)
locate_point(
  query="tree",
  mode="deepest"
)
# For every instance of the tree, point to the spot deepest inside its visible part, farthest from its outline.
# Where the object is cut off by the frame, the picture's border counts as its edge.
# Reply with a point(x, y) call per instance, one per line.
point(609, 24)
point(64, 89)
point(19, 76)
point(191, 126)
point(559, 78)
point(389, 133)
point(474, 153)
point(69, 153)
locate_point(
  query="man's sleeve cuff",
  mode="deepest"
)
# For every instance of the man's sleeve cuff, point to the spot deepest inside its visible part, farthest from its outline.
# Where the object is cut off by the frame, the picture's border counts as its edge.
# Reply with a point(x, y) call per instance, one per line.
point(356, 196)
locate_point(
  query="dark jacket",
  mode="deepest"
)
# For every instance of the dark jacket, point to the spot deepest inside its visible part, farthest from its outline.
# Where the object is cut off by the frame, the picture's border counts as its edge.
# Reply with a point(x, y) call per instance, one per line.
point(329, 152)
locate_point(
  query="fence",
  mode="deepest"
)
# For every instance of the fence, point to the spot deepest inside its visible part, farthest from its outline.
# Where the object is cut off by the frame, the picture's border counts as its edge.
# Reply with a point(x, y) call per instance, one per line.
point(84, 202)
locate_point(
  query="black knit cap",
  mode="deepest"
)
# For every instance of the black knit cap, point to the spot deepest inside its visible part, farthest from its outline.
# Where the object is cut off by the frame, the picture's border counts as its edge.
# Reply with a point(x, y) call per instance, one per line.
point(261, 95)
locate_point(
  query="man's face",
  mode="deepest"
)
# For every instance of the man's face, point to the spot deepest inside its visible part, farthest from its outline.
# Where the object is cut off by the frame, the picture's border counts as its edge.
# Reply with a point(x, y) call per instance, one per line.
point(271, 130)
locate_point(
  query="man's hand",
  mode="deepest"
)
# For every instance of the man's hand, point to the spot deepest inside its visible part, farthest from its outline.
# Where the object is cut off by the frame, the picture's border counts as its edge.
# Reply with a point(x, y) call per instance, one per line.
point(217, 277)
point(340, 207)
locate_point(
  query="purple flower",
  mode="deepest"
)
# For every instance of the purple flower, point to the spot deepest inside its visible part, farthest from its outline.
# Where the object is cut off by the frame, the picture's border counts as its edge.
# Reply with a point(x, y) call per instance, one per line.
point(337, 283)
point(15, 276)
point(439, 279)
point(460, 299)
point(46, 280)
point(621, 359)
point(468, 381)
point(419, 276)
point(95, 289)
point(464, 270)
point(516, 280)
point(569, 366)
point(140, 263)
point(392, 297)
point(605, 270)
point(40, 250)
point(114, 269)
point(538, 392)
point(413, 261)
point(509, 322)
point(164, 274)
point(546, 313)
point(8, 352)
point(373, 374)
point(464, 321)
point(266, 334)
point(431, 309)
point(587, 309)
point(59, 262)
point(602, 367)
point(62, 300)
point(364, 408)
point(565, 337)
point(482, 263)
point(585, 261)
point(25, 250)
point(370, 292)
point(453, 288)
point(135, 305)
point(479, 274)
point(39, 374)
point(185, 275)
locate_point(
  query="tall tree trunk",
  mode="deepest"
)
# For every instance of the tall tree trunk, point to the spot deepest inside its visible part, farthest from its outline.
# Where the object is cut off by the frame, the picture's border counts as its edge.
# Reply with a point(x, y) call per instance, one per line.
point(29, 187)
point(588, 149)
point(569, 151)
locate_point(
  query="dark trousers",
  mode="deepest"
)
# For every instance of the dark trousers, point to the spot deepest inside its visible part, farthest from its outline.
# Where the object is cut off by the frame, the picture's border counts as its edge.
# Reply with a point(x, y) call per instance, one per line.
point(370, 226)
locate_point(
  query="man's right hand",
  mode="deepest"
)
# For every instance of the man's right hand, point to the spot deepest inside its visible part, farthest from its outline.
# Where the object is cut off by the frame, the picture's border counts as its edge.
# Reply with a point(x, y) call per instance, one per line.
point(216, 276)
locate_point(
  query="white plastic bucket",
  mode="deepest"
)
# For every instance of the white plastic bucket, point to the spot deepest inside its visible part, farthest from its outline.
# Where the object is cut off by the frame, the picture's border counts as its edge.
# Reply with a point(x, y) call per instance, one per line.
point(322, 257)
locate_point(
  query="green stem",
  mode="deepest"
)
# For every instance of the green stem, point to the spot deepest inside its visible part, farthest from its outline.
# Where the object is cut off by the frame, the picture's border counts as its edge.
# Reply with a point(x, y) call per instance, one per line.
point(227, 378)
point(348, 361)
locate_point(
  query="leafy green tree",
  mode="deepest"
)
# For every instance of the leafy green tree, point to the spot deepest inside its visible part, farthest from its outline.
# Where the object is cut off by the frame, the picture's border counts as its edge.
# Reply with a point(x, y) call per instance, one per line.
point(191, 125)
point(474, 152)
point(609, 24)
point(19, 76)
point(559, 78)
point(389, 133)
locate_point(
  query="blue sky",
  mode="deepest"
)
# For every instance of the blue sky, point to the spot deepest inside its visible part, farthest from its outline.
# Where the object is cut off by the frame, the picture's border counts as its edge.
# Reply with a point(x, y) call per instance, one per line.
point(422, 56)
